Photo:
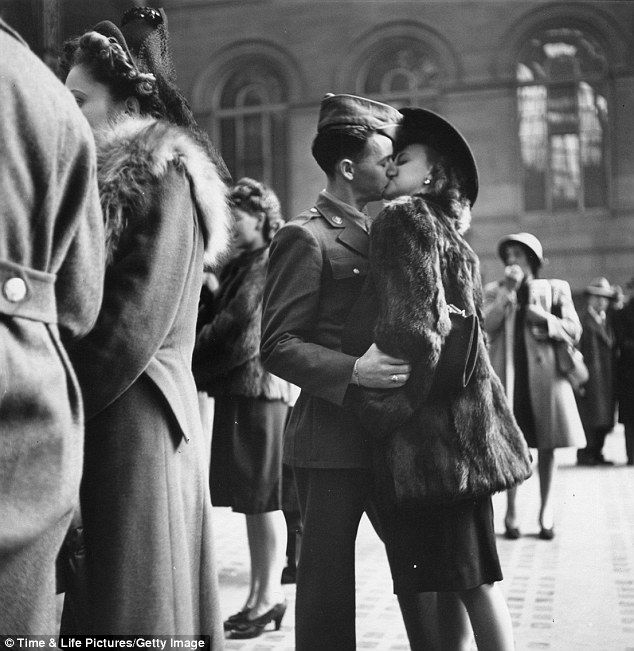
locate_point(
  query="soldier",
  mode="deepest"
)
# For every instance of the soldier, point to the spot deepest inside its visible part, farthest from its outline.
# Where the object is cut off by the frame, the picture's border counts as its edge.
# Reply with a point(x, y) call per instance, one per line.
point(318, 264)
point(51, 279)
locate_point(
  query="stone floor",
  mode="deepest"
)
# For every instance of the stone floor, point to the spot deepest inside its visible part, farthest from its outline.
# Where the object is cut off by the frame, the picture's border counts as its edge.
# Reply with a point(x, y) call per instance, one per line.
point(576, 592)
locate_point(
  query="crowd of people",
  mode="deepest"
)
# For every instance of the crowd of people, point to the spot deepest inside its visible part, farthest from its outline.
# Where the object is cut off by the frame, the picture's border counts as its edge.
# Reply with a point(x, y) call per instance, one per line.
point(169, 341)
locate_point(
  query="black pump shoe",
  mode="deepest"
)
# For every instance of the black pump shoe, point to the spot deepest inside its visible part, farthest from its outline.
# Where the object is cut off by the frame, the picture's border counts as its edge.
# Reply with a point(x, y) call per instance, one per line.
point(233, 620)
point(511, 533)
point(547, 534)
point(248, 628)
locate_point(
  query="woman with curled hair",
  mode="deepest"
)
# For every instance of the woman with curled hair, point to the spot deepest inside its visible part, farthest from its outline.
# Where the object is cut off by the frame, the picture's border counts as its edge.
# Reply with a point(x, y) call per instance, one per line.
point(439, 449)
point(144, 498)
point(251, 406)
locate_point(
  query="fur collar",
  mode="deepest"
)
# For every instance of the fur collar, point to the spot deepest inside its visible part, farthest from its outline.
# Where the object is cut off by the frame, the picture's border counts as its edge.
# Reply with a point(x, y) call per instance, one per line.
point(136, 151)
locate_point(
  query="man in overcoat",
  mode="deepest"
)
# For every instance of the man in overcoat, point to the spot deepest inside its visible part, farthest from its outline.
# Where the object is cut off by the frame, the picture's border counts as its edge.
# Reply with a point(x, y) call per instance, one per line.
point(51, 279)
point(597, 404)
point(317, 267)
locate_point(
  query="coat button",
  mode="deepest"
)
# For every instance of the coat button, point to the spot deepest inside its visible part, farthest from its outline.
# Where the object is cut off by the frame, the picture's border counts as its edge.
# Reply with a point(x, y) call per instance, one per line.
point(14, 290)
point(337, 220)
point(355, 271)
point(313, 210)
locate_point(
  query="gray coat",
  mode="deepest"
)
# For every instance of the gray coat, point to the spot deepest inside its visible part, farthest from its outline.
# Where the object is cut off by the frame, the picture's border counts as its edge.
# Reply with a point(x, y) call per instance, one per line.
point(557, 422)
point(51, 245)
point(145, 499)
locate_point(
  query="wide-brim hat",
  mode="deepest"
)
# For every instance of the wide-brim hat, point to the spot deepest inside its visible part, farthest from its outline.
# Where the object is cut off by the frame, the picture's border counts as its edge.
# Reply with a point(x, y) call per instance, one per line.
point(526, 239)
point(339, 111)
point(600, 287)
point(422, 125)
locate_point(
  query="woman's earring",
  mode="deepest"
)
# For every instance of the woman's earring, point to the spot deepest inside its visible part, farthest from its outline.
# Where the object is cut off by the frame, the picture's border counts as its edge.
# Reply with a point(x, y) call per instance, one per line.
point(427, 181)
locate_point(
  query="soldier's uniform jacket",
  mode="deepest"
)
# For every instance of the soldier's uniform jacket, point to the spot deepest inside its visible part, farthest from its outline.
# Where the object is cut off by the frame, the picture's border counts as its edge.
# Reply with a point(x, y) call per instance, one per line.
point(51, 279)
point(317, 267)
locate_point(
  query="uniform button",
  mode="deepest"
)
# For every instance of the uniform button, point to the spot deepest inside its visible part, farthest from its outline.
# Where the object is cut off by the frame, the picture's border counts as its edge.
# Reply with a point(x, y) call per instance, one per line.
point(337, 220)
point(14, 289)
point(355, 271)
point(313, 210)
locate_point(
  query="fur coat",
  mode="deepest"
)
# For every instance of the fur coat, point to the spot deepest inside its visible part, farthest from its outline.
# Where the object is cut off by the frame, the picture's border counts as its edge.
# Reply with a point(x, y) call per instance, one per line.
point(138, 151)
point(227, 352)
point(435, 450)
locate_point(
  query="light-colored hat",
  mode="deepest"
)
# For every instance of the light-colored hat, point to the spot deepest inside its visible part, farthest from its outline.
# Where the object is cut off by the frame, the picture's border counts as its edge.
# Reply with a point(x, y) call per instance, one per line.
point(600, 287)
point(526, 239)
point(350, 110)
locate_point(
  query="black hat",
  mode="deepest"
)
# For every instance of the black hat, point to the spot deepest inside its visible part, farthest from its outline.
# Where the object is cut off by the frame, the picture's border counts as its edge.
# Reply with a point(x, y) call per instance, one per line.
point(422, 125)
point(144, 37)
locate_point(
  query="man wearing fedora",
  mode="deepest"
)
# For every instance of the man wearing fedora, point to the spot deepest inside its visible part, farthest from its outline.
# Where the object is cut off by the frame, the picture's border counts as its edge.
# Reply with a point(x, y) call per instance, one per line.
point(318, 264)
point(597, 403)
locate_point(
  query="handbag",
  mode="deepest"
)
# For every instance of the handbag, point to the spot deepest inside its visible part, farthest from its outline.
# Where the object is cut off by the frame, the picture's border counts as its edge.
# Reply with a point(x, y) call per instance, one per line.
point(458, 355)
point(569, 359)
point(570, 364)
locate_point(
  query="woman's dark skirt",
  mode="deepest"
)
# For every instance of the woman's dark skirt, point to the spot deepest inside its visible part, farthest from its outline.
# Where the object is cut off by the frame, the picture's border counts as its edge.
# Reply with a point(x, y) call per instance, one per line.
point(440, 548)
point(246, 454)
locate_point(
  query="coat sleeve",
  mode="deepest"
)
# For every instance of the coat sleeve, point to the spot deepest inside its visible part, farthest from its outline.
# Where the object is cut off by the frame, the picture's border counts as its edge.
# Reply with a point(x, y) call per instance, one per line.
point(290, 312)
point(142, 293)
point(413, 317)
point(80, 275)
point(564, 324)
point(498, 301)
point(230, 340)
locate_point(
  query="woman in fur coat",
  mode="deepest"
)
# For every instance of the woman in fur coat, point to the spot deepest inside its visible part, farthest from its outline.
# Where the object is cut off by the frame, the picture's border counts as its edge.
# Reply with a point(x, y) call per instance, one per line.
point(144, 497)
point(437, 456)
point(251, 406)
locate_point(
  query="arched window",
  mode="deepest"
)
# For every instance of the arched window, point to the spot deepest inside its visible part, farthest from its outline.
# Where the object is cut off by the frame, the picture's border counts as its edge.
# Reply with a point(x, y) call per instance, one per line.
point(248, 121)
point(401, 72)
point(562, 105)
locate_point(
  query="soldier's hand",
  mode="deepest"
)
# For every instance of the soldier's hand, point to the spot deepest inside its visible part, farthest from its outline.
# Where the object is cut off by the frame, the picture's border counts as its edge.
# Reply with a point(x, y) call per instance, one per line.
point(376, 370)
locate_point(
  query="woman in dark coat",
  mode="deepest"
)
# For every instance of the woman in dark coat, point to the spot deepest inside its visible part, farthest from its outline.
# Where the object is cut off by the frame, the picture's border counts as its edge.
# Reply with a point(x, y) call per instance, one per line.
point(435, 506)
point(144, 496)
point(251, 406)
point(624, 333)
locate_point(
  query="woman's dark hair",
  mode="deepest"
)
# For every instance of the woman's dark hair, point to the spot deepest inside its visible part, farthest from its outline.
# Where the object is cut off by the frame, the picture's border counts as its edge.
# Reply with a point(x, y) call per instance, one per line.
point(533, 261)
point(110, 64)
point(331, 145)
point(255, 197)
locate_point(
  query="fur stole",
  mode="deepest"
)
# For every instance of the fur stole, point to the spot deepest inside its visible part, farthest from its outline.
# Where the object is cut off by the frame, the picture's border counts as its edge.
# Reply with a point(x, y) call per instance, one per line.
point(136, 152)
point(440, 449)
point(227, 351)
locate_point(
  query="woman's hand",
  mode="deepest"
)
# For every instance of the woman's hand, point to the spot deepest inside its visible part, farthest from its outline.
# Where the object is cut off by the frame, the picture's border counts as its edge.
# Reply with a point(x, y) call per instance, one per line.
point(513, 276)
point(536, 315)
point(376, 370)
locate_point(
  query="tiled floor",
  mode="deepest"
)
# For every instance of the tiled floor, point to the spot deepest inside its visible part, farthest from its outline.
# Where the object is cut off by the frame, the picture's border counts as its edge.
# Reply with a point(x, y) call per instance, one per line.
point(576, 592)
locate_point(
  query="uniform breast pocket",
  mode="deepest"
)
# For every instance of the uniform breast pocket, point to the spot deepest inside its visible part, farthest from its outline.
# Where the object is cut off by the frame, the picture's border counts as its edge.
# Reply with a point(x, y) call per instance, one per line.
point(349, 267)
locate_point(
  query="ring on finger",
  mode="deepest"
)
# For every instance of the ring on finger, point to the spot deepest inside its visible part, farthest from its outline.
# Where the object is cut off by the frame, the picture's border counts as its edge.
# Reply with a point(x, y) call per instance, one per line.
point(394, 378)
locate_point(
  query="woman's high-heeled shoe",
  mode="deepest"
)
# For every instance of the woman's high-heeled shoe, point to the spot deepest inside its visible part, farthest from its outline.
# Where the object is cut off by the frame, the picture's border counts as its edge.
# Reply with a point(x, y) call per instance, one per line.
point(237, 618)
point(254, 627)
point(547, 534)
point(511, 533)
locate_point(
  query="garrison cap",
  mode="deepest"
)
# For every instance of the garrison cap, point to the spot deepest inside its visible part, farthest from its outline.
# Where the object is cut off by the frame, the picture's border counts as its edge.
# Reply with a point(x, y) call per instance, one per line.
point(350, 110)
